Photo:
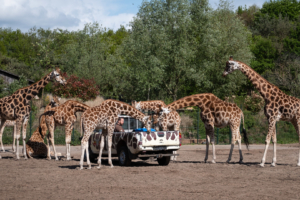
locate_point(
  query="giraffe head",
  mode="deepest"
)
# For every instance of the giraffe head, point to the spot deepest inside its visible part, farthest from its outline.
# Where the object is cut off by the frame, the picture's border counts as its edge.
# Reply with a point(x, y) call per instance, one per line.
point(57, 76)
point(164, 110)
point(147, 123)
point(136, 105)
point(55, 101)
point(231, 65)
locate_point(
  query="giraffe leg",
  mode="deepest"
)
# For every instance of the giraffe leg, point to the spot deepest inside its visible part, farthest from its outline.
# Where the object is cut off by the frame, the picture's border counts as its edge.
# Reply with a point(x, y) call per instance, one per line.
point(83, 146)
point(2, 143)
point(274, 139)
point(50, 137)
point(53, 146)
point(68, 130)
point(24, 137)
point(296, 124)
point(213, 147)
point(100, 152)
point(207, 148)
point(14, 138)
point(19, 124)
point(1, 132)
point(240, 150)
point(268, 138)
point(48, 147)
point(235, 135)
point(87, 155)
point(109, 152)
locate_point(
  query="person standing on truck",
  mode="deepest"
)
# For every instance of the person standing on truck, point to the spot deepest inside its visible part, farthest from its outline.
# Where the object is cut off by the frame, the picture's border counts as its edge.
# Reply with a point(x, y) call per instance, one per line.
point(119, 124)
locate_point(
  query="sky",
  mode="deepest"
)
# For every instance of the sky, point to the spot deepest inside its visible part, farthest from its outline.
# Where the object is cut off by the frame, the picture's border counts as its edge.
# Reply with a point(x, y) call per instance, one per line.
point(71, 15)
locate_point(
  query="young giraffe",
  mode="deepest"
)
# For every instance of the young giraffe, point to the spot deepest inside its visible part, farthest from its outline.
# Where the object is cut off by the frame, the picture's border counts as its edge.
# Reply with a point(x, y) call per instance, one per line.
point(279, 106)
point(214, 112)
point(106, 115)
point(16, 106)
point(63, 115)
point(35, 146)
point(11, 123)
point(171, 120)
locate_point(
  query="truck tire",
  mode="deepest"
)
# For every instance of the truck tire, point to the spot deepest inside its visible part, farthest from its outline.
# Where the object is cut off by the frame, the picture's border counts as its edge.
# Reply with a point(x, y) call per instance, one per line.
point(123, 155)
point(164, 160)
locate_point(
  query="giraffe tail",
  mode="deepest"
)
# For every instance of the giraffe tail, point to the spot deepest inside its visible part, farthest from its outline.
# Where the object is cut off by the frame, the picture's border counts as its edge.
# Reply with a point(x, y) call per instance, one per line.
point(245, 133)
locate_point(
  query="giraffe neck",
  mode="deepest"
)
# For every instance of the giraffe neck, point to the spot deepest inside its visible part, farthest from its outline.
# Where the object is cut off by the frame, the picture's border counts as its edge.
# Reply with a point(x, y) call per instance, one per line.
point(262, 85)
point(132, 112)
point(152, 105)
point(30, 91)
point(200, 100)
point(80, 107)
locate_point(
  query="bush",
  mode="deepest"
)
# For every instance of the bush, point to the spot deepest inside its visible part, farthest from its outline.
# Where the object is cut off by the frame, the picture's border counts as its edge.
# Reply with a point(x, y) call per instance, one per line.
point(75, 87)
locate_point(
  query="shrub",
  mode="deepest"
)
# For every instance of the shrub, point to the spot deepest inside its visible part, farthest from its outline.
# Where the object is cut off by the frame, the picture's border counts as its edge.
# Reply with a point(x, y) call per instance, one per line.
point(76, 87)
point(254, 103)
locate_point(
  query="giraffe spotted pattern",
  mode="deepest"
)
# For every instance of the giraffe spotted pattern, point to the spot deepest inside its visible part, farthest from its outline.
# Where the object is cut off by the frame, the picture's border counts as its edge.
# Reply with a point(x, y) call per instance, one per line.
point(214, 113)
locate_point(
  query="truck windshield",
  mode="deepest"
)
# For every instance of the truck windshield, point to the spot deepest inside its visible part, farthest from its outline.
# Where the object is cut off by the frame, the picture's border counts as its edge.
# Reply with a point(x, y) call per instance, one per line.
point(132, 123)
point(125, 125)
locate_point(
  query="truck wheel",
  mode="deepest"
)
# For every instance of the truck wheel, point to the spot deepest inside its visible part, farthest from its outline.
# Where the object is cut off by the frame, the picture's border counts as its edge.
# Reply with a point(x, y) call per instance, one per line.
point(123, 156)
point(164, 160)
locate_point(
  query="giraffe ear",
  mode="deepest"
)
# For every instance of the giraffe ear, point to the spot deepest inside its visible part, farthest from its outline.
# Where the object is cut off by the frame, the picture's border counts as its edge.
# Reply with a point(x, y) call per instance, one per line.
point(133, 102)
point(57, 69)
point(231, 58)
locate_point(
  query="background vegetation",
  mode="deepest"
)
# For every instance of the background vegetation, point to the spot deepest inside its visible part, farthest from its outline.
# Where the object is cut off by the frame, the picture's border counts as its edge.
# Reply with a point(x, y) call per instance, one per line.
point(171, 49)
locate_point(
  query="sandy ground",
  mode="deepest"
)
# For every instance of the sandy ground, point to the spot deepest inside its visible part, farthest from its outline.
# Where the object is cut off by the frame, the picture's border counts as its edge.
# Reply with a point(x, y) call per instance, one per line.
point(187, 178)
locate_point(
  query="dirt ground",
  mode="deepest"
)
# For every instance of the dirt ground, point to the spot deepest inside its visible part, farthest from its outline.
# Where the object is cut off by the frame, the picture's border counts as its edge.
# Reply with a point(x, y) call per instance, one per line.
point(187, 178)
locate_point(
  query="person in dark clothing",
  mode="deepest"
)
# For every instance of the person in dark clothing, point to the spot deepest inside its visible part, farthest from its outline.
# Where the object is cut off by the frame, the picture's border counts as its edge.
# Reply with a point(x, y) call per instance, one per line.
point(118, 127)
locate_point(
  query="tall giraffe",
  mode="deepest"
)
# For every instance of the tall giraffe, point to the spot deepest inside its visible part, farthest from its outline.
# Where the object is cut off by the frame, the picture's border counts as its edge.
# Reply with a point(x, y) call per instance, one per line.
point(170, 121)
point(214, 112)
point(16, 106)
point(35, 146)
point(106, 115)
point(63, 115)
point(279, 106)
point(11, 123)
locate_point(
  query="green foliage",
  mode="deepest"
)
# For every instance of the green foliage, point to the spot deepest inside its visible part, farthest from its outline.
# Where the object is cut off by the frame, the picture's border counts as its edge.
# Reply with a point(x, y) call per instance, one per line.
point(264, 53)
point(225, 35)
point(17, 84)
point(274, 8)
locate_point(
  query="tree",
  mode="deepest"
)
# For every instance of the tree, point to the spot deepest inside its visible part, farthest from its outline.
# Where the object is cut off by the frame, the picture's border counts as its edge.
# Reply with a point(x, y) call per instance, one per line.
point(225, 35)
point(160, 50)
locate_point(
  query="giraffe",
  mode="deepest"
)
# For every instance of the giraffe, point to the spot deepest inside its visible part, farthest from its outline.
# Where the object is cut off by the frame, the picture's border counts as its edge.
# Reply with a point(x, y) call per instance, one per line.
point(35, 146)
point(171, 120)
point(11, 123)
point(214, 112)
point(105, 115)
point(278, 105)
point(63, 115)
point(16, 106)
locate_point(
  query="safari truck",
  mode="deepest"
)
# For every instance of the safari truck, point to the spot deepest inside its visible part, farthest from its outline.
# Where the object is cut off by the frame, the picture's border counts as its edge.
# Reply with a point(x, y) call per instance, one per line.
point(135, 143)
